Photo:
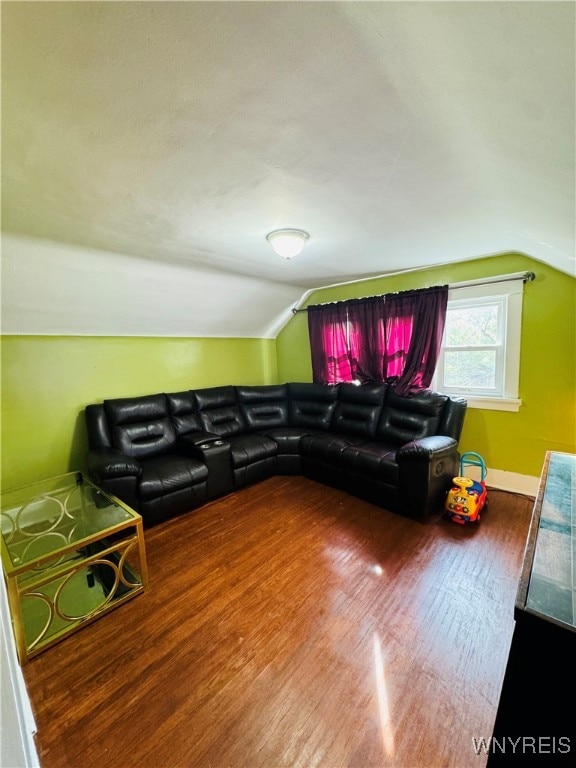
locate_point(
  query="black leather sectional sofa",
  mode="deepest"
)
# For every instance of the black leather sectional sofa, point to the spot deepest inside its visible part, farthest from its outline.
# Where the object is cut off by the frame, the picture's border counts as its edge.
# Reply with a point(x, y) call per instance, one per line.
point(164, 454)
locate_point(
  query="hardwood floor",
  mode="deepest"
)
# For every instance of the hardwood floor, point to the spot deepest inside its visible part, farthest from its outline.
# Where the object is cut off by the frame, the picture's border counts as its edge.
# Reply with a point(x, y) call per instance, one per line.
point(290, 624)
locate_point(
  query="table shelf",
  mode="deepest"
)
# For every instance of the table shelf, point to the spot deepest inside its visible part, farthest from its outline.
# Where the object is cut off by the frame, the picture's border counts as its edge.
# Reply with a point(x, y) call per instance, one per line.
point(70, 553)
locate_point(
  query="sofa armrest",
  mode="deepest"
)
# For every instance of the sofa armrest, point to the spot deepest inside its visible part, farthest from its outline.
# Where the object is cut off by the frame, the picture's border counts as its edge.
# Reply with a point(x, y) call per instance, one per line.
point(107, 463)
point(426, 449)
point(426, 468)
point(116, 473)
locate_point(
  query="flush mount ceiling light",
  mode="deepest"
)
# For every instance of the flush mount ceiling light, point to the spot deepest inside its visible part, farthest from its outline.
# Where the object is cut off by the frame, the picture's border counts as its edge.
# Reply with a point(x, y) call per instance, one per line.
point(288, 242)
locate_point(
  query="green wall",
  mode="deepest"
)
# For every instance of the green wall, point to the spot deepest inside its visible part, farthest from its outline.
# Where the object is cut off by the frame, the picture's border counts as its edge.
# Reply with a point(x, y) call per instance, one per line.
point(513, 442)
point(47, 381)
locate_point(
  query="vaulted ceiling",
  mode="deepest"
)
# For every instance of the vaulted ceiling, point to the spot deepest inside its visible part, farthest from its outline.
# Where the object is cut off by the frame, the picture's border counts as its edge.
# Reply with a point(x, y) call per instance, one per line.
point(398, 134)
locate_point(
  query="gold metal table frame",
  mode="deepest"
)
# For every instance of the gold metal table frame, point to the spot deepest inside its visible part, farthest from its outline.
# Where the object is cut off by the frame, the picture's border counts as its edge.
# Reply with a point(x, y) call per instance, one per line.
point(70, 553)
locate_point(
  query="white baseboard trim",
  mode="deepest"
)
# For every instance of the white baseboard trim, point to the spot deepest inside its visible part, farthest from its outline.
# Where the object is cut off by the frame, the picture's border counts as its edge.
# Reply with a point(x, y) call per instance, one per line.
point(507, 481)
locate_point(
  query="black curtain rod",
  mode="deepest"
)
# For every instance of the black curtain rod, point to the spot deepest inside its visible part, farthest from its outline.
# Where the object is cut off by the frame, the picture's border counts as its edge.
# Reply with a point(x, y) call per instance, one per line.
point(526, 277)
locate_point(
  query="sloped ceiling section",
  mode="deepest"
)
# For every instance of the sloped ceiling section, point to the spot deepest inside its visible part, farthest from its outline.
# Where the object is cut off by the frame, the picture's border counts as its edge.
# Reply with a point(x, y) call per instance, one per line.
point(166, 139)
point(56, 289)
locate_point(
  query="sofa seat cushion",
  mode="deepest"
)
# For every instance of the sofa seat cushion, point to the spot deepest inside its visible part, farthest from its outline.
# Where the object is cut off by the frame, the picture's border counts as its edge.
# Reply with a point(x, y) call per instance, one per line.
point(326, 447)
point(168, 473)
point(247, 449)
point(288, 438)
point(373, 460)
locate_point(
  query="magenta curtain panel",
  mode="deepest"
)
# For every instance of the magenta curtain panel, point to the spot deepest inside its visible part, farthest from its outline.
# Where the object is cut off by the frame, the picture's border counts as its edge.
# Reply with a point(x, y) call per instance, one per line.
point(334, 342)
point(393, 338)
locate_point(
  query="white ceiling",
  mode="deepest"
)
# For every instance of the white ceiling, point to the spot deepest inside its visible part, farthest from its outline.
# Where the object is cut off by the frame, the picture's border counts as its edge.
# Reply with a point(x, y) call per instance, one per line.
point(399, 134)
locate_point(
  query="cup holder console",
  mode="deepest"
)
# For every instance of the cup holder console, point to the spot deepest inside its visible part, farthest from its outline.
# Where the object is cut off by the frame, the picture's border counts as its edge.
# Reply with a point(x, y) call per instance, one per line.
point(207, 446)
point(216, 455)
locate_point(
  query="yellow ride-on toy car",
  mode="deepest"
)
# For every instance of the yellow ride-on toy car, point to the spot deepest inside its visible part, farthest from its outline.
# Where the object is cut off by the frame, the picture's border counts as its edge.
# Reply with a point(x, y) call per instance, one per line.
point(467, 498)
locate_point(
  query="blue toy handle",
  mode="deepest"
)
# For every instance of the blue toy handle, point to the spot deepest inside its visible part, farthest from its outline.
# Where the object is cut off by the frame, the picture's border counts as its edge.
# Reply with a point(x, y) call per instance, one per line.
point(472, 459)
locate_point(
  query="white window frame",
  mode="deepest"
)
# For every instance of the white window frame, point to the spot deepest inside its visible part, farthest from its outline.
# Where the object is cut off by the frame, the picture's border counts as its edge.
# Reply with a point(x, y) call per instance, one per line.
point(509, 296)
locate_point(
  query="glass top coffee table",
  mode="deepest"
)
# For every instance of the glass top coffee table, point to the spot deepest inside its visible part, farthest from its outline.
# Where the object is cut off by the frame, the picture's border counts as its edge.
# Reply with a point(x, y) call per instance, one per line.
point(70, 553)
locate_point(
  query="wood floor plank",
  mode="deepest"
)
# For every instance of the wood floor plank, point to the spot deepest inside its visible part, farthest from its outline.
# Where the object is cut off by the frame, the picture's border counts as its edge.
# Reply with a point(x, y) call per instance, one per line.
point(290, 624)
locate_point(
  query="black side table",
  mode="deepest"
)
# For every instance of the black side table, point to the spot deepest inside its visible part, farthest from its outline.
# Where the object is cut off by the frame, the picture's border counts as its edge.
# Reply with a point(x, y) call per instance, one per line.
point(536, 721)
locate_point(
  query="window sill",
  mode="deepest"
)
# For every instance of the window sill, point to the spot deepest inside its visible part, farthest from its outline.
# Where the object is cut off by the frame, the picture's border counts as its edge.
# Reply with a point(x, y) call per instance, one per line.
point(494, 403)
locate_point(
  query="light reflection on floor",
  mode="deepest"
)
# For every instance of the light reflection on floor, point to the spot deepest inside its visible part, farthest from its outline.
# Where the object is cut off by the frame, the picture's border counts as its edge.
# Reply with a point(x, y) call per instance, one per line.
point(383, 704)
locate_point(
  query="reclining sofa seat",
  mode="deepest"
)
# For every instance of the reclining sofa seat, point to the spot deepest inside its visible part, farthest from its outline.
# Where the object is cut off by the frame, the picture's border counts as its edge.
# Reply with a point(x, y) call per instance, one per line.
point(393, 451)
point(133, 456)
point(167, 453)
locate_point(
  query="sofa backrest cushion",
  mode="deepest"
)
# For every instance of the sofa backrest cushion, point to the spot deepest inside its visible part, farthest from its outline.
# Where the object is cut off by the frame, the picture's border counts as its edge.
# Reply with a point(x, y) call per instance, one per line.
point(97, 427)
point(185, 417)
point(264, 407)
point(219, 411)
point(453, 417)
point(312, 405)
point(410, 418)
point(358, 409)
point(140, 426)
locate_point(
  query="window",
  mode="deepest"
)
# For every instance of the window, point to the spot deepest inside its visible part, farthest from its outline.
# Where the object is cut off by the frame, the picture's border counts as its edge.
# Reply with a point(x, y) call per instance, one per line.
point(473, 346)
point(480, 354)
